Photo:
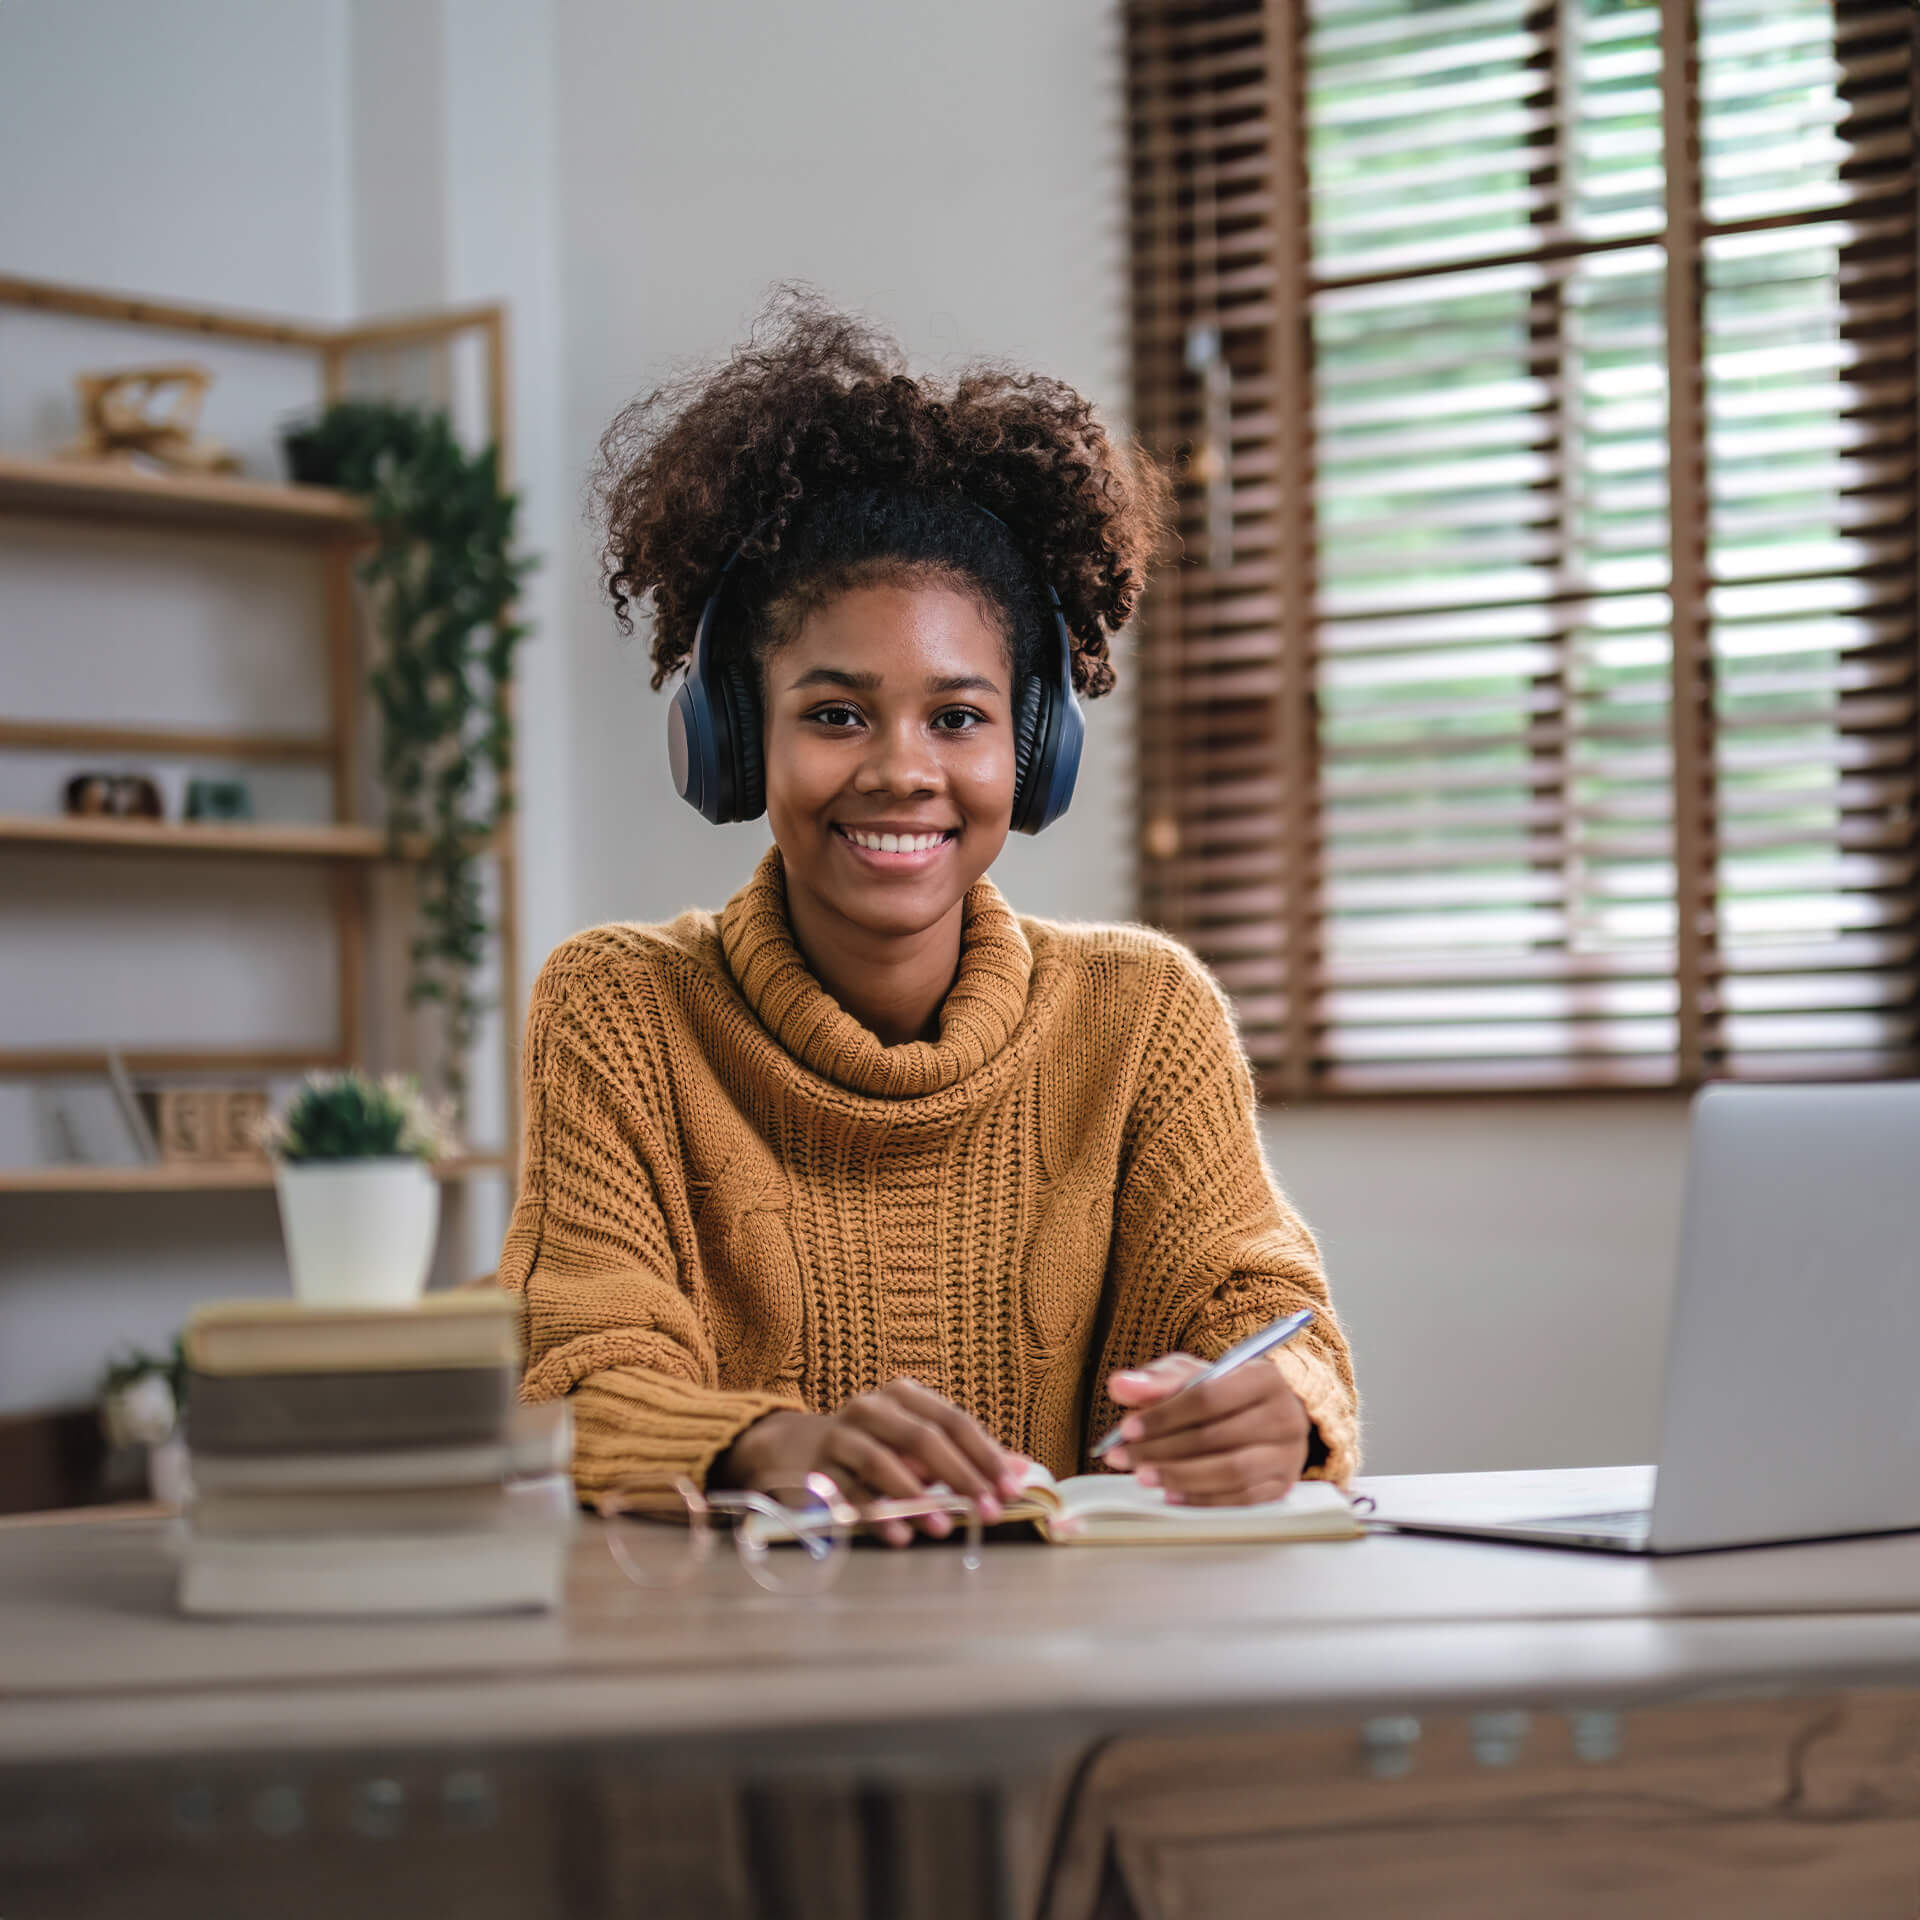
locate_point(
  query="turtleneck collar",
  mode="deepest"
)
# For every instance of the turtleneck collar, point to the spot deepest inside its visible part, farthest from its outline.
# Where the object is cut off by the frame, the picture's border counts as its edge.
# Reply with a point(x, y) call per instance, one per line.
point(977, 1018)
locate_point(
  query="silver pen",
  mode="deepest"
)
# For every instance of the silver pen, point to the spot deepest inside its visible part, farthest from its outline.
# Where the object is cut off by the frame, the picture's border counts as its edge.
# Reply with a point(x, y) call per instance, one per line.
point(1251, 1348)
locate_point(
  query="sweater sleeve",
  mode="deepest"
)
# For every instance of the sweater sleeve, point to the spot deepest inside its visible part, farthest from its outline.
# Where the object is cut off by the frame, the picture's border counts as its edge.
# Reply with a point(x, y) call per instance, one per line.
point(1206, 1248)
point(612, 1320)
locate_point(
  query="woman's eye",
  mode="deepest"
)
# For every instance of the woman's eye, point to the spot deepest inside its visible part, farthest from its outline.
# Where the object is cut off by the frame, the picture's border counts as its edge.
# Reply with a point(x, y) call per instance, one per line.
point(957, 720)
point(840, 719)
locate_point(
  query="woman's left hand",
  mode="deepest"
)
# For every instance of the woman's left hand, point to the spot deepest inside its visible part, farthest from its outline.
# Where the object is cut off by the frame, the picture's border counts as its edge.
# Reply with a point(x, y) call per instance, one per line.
point(1238, 1440)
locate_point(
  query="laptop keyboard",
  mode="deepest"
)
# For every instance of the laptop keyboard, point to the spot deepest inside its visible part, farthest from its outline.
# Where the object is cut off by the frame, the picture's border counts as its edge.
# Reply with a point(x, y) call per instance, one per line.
point(1629, 1525)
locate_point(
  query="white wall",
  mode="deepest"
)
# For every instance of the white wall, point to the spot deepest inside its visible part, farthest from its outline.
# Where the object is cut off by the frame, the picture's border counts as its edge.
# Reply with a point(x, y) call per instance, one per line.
point(195, 150)
point(951, 171)
point(1503, 1269)
point(396, 125)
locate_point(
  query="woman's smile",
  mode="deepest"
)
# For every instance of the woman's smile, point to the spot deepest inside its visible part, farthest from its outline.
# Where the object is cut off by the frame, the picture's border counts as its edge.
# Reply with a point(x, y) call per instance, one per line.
point(895, 849)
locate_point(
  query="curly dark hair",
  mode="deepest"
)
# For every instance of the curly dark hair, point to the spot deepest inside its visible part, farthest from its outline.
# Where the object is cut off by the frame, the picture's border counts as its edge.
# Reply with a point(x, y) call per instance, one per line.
point(813, 455)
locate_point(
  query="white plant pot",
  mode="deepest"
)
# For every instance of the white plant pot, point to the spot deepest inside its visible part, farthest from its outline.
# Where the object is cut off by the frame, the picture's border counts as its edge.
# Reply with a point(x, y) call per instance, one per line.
point(170, 1472)
point(359, 1233)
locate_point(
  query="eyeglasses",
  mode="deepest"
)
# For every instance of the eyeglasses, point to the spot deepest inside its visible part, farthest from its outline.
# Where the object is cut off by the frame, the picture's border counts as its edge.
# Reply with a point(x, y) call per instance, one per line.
point(791, 1540)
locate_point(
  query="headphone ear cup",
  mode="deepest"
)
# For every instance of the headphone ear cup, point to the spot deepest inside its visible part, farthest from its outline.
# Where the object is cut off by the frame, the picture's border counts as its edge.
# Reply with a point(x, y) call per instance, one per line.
point(1029, 728)
point(749, 760)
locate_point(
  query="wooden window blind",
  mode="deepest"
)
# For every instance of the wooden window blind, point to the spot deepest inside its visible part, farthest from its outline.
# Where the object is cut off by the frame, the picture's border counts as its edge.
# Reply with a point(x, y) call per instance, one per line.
point(1533, 703)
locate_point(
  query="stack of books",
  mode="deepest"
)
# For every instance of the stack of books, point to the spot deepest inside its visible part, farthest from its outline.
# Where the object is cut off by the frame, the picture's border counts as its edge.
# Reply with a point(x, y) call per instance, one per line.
point(369, 1460)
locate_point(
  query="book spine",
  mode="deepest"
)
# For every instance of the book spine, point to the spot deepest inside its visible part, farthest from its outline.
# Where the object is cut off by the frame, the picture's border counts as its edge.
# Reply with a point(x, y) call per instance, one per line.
point(498, 1575)
point(542, 1505)
point(322, 1412)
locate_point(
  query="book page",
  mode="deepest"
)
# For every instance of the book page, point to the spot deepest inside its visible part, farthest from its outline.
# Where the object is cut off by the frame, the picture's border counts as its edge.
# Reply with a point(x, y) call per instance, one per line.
point(1039, 1494)
point(1120, 1499)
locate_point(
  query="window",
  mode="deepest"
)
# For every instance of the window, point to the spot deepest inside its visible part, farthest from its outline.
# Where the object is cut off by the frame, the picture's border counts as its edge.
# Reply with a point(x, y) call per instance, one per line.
point(1534, 703)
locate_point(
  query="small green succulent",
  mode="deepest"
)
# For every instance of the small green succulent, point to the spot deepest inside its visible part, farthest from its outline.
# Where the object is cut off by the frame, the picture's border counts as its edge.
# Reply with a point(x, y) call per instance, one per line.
point(353, 1116)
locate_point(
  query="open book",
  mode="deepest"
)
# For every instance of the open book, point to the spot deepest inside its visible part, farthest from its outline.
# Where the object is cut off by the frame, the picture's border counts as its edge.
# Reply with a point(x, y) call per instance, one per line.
point(1115, 1510)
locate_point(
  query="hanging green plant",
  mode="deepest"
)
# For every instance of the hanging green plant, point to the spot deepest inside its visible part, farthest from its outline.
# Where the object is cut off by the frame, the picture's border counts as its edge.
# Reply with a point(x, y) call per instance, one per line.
point(443, 577)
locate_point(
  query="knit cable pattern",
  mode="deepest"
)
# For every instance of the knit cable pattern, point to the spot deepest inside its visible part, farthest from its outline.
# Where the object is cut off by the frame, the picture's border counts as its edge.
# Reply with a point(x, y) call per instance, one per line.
point(736, 1199)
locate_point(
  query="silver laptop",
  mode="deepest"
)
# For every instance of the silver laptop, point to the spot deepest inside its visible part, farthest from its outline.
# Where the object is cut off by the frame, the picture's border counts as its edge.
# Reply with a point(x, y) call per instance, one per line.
point(1792, 1402)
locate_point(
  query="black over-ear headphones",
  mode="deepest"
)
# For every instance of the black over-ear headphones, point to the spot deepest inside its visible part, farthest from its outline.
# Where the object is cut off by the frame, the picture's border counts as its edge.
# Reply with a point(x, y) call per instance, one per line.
point(714, 724)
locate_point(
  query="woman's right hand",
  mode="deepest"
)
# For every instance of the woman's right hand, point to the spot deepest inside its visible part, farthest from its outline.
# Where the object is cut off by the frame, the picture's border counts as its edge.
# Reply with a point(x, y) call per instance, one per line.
point(892, 1443)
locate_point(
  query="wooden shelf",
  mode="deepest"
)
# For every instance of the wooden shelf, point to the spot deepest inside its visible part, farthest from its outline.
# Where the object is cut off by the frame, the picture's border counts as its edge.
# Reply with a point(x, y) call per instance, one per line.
point(62, 736)
point(323, 532)
point(70, 490)
point(73, 1063)
point(89, 834)
point(187, 1177)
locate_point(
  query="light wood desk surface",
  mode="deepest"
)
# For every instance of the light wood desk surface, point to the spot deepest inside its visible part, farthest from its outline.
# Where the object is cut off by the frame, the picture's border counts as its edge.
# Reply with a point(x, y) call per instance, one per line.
point(1400, 1726)
point(909, 1647)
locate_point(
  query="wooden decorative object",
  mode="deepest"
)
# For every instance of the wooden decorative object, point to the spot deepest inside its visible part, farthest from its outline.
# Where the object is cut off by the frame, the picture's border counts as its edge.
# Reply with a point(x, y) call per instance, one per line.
point(124, 415)
point(202, 1124)
point(244, 1114)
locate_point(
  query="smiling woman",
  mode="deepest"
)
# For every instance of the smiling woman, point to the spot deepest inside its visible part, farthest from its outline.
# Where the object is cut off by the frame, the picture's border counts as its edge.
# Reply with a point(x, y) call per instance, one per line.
point(890, 777)
point(864, 1174)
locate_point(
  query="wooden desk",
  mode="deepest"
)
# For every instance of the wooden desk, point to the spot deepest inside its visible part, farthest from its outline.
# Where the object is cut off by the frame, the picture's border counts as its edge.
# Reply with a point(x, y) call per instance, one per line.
point(1171, 1726)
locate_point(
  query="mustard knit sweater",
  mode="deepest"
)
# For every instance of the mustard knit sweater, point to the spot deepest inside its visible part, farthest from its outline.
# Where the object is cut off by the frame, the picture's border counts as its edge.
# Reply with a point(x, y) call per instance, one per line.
point(736, 1199)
